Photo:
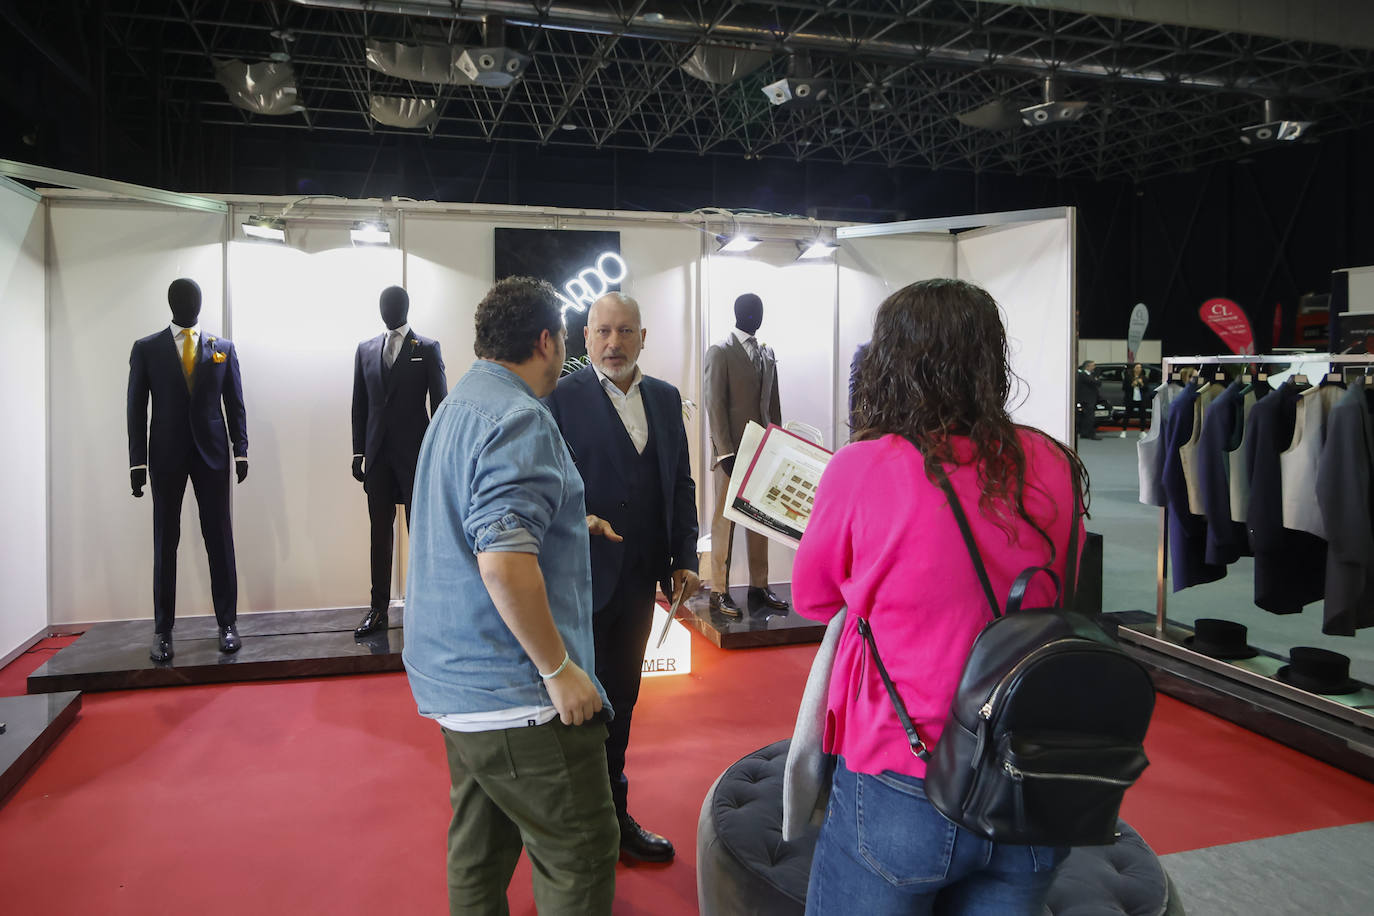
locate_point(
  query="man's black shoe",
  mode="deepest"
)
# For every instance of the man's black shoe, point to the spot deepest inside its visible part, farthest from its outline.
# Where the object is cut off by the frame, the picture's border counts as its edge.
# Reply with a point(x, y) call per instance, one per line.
point(229, 639)
point(162, 647)
point(723, 604)
point(641, 844)
point(374, 622)
point(765, 597)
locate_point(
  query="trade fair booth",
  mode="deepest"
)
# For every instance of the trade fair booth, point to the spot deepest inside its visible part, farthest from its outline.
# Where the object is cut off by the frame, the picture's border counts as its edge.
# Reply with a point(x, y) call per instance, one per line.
point(84, 271)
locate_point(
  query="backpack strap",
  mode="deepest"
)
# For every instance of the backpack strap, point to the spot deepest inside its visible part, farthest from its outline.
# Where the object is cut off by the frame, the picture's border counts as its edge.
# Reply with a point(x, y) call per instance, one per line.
point(918, 747)
point(967, 532)
point(1022, 582)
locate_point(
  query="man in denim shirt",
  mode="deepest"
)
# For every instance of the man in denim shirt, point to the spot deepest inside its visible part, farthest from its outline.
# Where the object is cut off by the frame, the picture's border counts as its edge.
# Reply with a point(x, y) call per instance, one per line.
point(498, 623)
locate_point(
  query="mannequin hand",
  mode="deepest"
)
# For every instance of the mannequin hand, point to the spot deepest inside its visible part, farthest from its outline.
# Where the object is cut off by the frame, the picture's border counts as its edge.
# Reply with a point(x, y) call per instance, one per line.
point(241, 470)
point(573, 695)
point(728, 466)
point(358, 468)
point(684, 578)
point(137, 478)
point(599, 526)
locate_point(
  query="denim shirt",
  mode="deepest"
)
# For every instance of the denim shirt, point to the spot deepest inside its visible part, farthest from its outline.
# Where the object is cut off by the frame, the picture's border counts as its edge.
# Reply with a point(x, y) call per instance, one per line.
point(494, 475)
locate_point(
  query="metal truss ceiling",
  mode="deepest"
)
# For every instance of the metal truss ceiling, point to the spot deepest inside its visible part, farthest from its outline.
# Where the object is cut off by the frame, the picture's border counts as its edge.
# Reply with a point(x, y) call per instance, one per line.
point(1163, 98)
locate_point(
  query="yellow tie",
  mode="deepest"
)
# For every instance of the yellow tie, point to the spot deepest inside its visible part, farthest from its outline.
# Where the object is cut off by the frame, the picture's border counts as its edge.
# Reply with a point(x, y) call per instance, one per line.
point(188, 354)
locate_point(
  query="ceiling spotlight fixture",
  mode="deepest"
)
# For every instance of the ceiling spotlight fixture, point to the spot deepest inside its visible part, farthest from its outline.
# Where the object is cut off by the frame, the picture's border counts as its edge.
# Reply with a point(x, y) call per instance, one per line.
point(280, 57)
point(493, 65)
point(733, 244)
point(269, 229)
point(799, 87)
point(370, 232)
point(815, 249)
point(1275, 128)
point(1053, 110)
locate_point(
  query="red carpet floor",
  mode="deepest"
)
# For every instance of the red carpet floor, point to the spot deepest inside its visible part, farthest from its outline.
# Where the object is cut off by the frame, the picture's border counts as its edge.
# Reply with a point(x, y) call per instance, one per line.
point(330, 796)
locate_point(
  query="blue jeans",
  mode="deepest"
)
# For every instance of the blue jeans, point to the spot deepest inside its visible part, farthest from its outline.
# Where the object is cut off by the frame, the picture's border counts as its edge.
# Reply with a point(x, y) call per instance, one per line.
point(885, 849)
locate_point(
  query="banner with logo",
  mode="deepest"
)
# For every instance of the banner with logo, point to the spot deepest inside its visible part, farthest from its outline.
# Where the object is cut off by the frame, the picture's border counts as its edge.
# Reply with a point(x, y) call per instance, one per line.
point(1135, 331)
point(1230, 323)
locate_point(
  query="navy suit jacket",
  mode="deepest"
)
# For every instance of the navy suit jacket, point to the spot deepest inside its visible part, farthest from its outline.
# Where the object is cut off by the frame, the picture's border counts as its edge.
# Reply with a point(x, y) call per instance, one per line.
point(184, 418)
point(584, 415)
point(390, 410)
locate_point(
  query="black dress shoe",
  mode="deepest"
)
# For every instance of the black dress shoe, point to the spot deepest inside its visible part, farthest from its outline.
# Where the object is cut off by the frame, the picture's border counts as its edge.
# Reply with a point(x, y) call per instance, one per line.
point(229, 639)
point(765, 597)
point(162, 647)
point(641, 844)
point(723, 604)
point(374, 622)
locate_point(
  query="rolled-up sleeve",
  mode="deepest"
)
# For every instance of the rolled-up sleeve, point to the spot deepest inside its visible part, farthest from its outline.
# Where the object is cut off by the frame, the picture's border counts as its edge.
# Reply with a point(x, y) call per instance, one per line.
point(517, 484)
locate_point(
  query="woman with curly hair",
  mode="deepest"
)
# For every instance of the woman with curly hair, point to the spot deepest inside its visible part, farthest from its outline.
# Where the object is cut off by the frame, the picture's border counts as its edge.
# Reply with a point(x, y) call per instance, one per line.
point(931, 394)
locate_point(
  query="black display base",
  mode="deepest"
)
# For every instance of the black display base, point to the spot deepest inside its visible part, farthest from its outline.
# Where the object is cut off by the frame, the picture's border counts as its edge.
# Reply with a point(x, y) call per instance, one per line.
point(760, 626)
point(1311, 731)
point(114, 656)
point(32, 725)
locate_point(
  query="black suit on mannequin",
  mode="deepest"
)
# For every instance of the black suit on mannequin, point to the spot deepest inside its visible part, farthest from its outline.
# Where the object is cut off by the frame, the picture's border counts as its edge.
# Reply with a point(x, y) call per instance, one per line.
point(187, 440)
point(389, 423)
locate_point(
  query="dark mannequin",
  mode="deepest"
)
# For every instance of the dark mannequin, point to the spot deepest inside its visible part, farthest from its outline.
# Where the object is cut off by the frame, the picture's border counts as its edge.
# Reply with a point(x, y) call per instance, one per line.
point(198, 432)
point(389, 423)
point(184, 298)
point(395, 307)
point(748, 318)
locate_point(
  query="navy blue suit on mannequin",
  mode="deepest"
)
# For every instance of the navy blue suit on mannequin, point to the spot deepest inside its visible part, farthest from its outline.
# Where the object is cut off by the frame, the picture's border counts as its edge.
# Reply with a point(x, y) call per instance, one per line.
point(187, 439)
point(649, 498)
point(389, 423)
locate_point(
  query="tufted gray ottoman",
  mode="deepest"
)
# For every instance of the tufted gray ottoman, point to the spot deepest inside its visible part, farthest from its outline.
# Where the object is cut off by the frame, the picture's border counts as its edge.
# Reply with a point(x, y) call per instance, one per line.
point(743, 866)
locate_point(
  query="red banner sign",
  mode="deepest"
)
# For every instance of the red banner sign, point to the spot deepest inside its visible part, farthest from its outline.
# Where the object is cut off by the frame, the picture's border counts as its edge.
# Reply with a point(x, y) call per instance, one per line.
point(1230, 323)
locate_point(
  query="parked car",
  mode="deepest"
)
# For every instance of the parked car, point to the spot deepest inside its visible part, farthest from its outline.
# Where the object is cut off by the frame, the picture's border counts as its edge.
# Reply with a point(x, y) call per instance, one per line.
point(1112, 376)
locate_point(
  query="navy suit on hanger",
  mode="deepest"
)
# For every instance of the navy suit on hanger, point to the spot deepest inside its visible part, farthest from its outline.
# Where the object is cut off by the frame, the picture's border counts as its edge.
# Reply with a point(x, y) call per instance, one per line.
point(188, 439)
point(389, 423)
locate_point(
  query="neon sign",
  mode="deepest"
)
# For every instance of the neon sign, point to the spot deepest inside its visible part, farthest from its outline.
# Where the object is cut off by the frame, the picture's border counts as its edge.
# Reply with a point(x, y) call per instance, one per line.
point(591, 283)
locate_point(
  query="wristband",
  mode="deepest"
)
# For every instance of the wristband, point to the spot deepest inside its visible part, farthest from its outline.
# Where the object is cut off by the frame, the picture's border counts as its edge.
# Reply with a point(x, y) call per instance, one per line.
point(557, 671)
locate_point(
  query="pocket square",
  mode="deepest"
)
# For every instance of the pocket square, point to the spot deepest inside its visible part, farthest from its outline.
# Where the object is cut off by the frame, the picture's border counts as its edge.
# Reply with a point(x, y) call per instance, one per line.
point(218, 356)
point(417, 359)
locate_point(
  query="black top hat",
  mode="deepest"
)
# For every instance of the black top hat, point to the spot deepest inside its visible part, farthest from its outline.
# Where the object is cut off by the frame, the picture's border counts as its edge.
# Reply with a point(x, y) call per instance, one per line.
point(1222, 639)
point(1319, 671)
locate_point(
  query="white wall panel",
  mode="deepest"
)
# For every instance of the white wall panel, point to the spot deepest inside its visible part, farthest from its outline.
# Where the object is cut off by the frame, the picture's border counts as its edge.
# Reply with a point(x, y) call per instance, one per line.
point(871, 269)
point(110, 265)
point(1028, 269)
point(799, 324)
point(300, 519)
point(24, 381)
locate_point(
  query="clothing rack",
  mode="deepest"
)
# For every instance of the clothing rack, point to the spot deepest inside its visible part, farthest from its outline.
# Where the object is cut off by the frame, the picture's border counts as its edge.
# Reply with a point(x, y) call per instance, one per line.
point(1162, 640)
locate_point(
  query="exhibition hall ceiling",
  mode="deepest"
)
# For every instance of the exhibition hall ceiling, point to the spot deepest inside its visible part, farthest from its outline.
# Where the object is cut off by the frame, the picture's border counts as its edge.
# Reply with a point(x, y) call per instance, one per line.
point(932, 84)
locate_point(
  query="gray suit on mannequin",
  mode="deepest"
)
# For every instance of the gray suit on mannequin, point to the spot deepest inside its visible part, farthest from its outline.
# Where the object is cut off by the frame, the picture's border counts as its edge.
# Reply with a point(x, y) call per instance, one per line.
point(741, 384)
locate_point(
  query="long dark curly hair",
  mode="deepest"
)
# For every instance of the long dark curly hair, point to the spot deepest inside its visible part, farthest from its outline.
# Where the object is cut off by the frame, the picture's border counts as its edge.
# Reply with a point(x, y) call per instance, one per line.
point(938, 367)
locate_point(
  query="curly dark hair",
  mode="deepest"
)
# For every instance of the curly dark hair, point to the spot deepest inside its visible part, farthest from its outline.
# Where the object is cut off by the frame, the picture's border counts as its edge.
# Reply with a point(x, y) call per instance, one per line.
point(512, 315)
point(938, 367)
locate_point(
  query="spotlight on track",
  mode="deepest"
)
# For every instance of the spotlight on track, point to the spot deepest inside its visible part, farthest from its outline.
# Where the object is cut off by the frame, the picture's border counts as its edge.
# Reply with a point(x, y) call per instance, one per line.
point(733, 244)
point(267, 229)
point(370, 232)
point(815, 249)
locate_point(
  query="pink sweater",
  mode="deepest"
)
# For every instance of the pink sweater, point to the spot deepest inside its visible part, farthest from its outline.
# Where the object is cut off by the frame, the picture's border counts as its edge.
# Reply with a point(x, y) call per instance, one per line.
point(883, 542)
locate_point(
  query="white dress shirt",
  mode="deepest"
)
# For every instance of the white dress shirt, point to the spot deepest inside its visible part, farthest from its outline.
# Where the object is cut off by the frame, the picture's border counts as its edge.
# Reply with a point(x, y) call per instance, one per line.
point(629, 405)
point(751, 343)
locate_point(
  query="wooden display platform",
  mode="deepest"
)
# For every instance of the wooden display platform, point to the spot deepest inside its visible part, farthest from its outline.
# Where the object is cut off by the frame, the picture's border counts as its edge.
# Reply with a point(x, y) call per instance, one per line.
point(759, 626)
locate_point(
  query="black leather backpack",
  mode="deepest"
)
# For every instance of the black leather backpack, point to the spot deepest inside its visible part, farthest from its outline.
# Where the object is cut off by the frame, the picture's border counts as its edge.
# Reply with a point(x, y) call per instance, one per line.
point(1045, 732)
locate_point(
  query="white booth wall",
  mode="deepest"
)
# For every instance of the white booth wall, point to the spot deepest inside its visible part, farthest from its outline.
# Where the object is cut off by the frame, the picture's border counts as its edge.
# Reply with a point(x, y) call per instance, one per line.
point(24, 379)
point(300, 519)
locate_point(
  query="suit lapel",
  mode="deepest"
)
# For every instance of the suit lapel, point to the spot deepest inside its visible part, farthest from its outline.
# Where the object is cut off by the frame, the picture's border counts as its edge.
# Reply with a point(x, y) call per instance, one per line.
point(660, 415)
point(615, 427)
point(372, 365)
point(402, 363)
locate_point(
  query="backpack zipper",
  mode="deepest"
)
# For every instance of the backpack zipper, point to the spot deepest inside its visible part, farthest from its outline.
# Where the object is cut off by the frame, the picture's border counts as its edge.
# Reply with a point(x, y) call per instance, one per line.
point(1017, 775)
point(986, 711)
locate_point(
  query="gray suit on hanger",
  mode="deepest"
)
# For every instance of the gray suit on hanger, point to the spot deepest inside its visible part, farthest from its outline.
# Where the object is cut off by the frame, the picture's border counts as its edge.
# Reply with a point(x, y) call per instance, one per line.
point(1347, 504)
point(736, 390)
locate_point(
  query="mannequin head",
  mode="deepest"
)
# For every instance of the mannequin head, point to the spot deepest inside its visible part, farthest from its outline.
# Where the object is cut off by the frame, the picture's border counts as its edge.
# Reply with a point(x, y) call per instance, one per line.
point(184, 298)
point(748, 313)
point(395, 306)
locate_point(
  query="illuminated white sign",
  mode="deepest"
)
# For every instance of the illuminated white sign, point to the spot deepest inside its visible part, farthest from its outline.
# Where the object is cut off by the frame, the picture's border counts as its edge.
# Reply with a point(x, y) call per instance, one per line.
point(675, 655)
point(591, 283)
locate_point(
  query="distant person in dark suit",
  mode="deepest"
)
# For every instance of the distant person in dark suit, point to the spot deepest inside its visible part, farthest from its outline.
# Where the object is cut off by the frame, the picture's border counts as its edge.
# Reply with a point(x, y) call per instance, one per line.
point(627, 437)
point(392, 373)
point(193, 380)
point(1087, 390)
point(1137, 392)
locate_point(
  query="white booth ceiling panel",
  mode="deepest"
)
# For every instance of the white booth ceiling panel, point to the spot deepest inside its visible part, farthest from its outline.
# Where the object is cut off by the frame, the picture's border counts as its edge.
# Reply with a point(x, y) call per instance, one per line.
point(23, 376)
point(110, 265)
point(300, 519)
point(871, 269)
point(1028, 269)
point(799, 325)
